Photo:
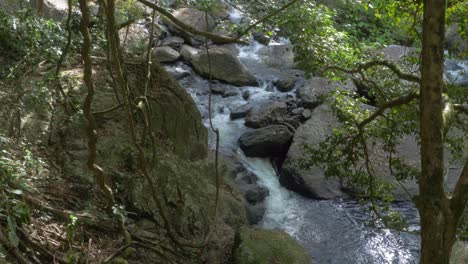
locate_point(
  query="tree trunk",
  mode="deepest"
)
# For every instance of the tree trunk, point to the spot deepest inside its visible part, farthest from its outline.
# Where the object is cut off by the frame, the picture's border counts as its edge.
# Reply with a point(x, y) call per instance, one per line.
point(438, 223)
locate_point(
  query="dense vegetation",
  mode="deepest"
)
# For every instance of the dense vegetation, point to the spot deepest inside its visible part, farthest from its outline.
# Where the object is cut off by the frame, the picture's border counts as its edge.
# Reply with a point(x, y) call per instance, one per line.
point(45, 100)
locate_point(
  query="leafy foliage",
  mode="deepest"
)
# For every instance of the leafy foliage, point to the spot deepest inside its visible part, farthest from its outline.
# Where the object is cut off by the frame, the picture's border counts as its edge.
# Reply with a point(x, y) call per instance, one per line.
point(25, 36)
point(13, 170)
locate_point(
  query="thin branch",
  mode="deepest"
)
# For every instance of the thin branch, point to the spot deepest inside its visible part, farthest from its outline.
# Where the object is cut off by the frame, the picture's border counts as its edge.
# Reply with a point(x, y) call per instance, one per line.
point(108, 110)
point(122, 83)
point(272, 14)
point(391, 66)
point(214, 37)
point(92, 128)
point(215, 130)
point(390, 104)
point(461, 108)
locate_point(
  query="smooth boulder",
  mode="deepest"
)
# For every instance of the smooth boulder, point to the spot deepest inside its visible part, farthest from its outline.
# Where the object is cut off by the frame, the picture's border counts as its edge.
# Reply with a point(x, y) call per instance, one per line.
point(310, 182)
point(313, 183)
point(270, 141)
point(285, 85)
point(192, 17)
point(272, 113)
point(224, 67)
point(166, 54)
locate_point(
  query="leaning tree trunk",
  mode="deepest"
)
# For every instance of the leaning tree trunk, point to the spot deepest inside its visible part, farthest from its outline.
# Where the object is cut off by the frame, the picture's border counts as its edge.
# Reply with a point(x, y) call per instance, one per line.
point(438, 222)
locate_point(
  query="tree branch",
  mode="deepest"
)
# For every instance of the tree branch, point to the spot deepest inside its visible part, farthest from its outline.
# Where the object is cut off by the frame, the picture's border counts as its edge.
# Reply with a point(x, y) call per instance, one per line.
point(393, 103)
point(274, 13)
point(391, 66)
point(214, 37)
point(460, 194)
point(187, 28)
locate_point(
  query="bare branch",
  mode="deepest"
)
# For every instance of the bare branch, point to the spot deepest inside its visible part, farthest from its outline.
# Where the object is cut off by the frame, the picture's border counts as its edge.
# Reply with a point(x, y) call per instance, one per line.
point(393, 103)
point(214, 37)
point(188, 28)
point(391, 66)
point(460, 194)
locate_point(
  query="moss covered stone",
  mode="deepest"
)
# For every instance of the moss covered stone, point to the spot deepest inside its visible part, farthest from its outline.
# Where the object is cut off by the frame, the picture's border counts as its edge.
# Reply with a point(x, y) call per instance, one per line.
point(259, 246)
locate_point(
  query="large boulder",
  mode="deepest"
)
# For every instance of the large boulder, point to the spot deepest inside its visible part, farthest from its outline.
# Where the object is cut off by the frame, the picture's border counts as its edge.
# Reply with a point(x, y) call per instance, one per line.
point(313, 183)
point(278, 55)
point(188, 52)
point(259, 246)
point(313, 91)
point(175, 116)
point(191, 17)
point(310, 182)
point(134, 39)
point(224, 67)
point(165, 54)
point(272, 113)
point(183, 180)
point(269, 141)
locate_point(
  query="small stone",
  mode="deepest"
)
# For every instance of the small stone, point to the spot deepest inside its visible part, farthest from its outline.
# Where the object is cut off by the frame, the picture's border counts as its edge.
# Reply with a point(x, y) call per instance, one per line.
point(241, 111)
point(246, 95)
point(230, 93)
point(285, 85)
point(172, 41)
point(297, 111)
point(306, 114)
point(218, 89)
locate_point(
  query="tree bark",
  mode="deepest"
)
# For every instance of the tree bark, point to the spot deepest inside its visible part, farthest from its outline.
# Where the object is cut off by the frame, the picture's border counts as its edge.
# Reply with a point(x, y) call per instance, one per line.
point(438, 222)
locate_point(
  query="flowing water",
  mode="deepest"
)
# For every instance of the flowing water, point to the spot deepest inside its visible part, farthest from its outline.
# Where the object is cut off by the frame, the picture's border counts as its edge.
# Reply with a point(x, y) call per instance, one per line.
point(333, 231)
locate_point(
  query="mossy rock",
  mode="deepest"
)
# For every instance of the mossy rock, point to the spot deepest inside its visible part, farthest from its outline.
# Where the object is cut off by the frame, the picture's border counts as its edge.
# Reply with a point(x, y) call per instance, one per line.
point(259, 246)
point(188, 190)
point(174, 115)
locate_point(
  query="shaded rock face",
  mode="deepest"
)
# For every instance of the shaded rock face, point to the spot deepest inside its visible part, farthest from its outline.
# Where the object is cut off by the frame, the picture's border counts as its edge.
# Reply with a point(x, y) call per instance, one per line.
point(312, 182)
point(270, 114)
point(269, 141)
point(312, 92)
point(224, 67)
point(165, 54)
point(183, 179)
point(257, 246)
point(454, 41)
